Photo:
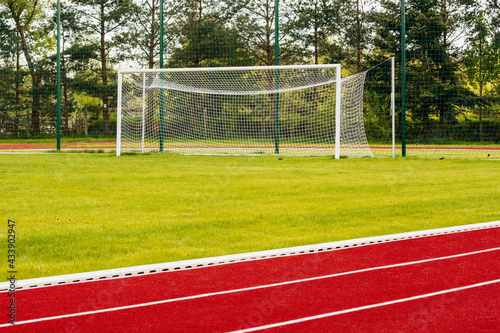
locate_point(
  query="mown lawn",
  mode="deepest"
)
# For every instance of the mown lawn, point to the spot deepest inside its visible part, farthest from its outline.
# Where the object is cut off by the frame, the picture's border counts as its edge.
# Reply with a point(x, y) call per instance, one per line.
point(82, 212)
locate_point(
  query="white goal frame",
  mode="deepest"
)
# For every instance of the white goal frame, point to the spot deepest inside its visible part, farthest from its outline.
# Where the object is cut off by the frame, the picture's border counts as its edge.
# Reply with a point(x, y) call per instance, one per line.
point(338, 87)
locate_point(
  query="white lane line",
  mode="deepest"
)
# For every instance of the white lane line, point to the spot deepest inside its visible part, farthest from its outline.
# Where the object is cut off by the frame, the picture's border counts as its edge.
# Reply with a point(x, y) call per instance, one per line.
point(371, 306)
point(201, 263)
point(125, 307)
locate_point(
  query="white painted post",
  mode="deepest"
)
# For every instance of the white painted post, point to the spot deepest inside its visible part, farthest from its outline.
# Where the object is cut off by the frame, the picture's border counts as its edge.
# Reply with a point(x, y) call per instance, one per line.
point(338, 87)
point(119, 115)
point(143, 108)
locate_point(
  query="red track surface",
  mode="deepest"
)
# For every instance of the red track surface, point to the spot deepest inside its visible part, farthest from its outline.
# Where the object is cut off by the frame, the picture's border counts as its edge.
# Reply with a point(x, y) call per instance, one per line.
point(446, 283)
point(65, 145)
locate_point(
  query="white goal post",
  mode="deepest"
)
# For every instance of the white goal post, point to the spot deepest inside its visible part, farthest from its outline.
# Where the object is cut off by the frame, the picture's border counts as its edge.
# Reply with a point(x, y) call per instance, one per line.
point(303, 110)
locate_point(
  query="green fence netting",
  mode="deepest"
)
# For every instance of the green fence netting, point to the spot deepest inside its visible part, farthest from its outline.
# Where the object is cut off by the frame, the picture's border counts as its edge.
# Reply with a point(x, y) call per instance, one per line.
point(452, 66)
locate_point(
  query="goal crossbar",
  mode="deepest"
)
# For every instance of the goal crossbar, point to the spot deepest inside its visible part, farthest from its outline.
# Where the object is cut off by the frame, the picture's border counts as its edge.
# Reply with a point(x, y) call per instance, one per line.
point(227, 69)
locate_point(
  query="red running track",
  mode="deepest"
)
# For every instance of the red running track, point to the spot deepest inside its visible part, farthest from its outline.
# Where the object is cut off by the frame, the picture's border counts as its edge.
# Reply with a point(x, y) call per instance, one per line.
point(445, 283)
point(112, 145)
point(65, 145)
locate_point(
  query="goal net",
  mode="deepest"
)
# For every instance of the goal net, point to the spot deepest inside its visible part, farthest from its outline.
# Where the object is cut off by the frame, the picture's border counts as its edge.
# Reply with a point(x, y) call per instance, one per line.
point(271, 110)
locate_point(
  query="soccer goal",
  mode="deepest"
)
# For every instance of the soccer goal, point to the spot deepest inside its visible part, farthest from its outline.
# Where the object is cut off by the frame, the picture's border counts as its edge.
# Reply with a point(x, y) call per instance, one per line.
point(304, 110)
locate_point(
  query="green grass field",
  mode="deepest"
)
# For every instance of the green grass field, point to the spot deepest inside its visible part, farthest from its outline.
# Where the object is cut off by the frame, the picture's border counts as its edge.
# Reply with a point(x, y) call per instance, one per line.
point(82, 212)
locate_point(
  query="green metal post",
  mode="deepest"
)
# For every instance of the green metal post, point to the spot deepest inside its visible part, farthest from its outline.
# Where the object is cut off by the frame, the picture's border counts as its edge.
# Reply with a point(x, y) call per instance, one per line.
point(161, 33)
point(276, 62)
point(403, 79)
point(161, 66)
point(58, 107)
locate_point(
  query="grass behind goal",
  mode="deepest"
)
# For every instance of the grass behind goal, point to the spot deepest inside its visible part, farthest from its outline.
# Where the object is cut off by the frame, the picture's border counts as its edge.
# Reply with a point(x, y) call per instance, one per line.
point(85, 212)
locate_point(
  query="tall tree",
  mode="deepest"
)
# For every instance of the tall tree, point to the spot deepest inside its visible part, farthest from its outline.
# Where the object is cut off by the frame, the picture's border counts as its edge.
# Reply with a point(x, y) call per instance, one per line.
point(434, 87)
point(453, 21)
point(353, 32)
point(71, 36)
point(8, 52)
point(143, 36)
point(8, 38)
point(312, 24)
point(336, 30)
point(482, 62)
point(104, 19)
point(493, 10)
point(24, 13)
point(255, 27)
point(205, 37)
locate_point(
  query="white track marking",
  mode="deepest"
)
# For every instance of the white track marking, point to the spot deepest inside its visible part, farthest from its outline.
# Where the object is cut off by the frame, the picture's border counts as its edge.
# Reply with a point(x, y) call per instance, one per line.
point(130, 272)
point(366, 307)
point(125, 307)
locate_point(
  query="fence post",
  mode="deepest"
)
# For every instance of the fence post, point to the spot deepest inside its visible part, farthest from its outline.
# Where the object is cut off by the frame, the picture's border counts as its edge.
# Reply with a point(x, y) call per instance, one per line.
point(161, 66)
point(403, 79)
point(58, 104)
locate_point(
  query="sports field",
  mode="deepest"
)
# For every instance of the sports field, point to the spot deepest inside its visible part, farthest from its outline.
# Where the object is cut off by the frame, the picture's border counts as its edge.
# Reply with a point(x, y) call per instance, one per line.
point(82, 212)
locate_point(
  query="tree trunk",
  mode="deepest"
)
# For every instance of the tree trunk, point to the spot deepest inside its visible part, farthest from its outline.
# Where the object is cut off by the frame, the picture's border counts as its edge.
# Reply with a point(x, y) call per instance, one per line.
point(36, 85)
point(66, 115)
point(316, 41)
point(85, 123)
point(18, 83)
point(65, 94)
point(104, 76)
point(481, 135)
point(358, 33)
point(152, 47)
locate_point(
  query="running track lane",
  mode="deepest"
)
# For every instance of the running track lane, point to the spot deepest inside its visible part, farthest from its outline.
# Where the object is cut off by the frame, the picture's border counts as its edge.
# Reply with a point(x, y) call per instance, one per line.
point(440, 283)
